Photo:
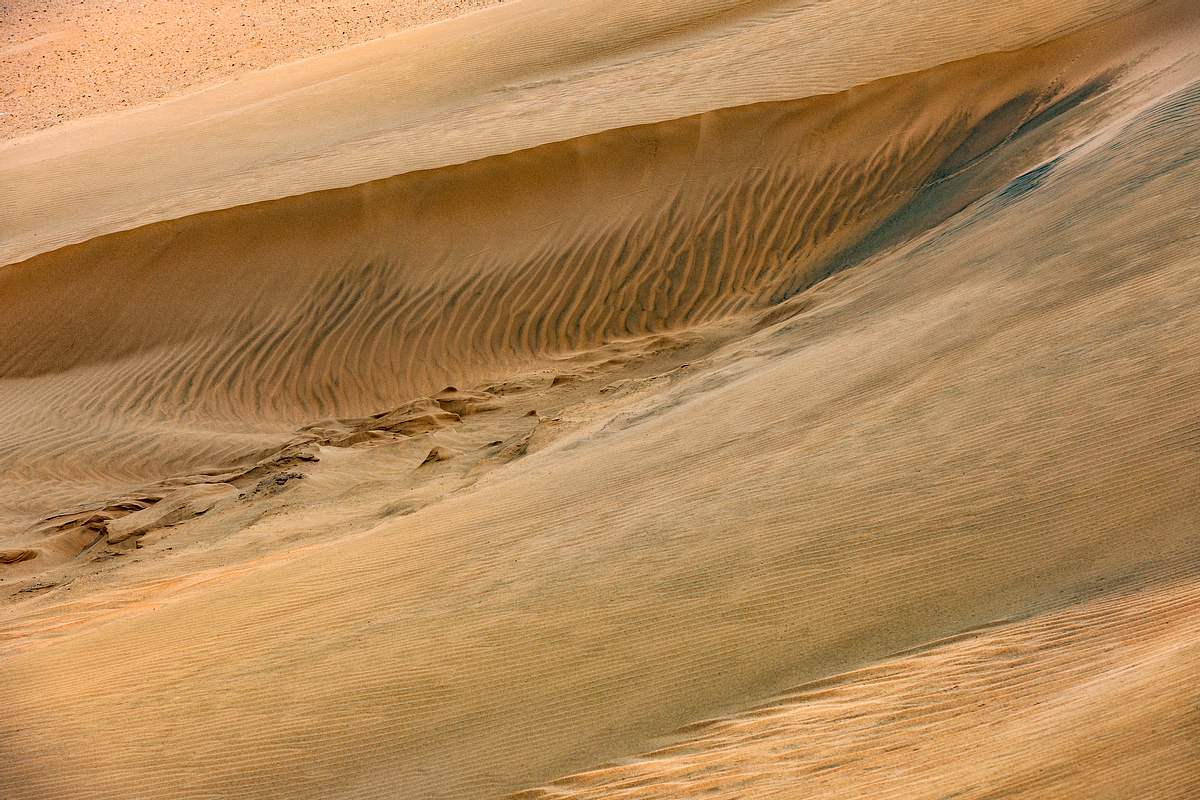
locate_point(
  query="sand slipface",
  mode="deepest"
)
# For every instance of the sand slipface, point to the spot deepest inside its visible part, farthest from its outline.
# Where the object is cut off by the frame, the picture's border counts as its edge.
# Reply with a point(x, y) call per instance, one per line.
point(604, 400)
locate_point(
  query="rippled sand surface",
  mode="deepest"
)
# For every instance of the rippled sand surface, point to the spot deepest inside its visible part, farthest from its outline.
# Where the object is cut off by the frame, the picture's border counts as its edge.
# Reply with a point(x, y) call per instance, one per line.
point(612, 400)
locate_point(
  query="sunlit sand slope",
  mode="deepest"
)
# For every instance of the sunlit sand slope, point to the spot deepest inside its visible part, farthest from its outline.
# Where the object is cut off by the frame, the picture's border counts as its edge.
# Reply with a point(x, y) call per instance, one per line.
point(505, 79)
point(839, 446)
point(207, 339)
point(1071, 703)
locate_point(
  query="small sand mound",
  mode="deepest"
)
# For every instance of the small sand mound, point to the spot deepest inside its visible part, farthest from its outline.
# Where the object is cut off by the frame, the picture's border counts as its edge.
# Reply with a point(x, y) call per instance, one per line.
point(182, 504)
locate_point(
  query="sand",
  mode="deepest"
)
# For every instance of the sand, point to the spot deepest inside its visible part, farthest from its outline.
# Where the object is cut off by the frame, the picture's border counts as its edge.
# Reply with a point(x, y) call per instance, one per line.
point(68, 60)
point(536, 404)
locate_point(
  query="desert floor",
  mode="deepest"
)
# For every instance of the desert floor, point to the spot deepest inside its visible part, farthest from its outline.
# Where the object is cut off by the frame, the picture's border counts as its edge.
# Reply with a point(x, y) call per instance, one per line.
point(600, 399)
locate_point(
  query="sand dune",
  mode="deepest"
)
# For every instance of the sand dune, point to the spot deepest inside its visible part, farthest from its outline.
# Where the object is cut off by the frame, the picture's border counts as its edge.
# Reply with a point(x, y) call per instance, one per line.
point(520, 75)
point(1106, 675)
point(822, 428)
point(388, 290)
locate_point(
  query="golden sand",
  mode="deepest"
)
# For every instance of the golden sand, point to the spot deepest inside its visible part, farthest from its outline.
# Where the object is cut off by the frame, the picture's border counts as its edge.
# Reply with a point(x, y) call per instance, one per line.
point(602, 400)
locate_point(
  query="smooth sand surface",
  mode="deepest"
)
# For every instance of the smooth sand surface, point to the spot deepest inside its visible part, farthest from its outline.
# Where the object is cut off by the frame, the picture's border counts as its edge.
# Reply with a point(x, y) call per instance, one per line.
point(779, 400)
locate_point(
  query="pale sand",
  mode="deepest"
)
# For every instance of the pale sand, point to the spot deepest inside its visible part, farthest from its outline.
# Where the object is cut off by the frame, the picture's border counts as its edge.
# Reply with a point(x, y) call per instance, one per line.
point(838, 445)
point(76, 58)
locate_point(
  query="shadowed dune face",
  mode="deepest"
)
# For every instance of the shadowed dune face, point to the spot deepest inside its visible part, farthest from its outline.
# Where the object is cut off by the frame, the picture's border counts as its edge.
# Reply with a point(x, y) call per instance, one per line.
point(511, 78)
point(249, 322)
point(834, 446)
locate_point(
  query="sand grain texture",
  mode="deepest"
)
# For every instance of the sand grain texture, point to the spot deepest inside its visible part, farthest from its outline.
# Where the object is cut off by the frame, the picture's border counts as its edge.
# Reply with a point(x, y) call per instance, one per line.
point(589, 418)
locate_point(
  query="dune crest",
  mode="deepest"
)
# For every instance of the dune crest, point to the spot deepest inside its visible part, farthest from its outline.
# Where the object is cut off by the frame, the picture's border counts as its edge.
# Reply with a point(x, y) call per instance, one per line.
point(505, 79)
point(351, 301)
point(820, 428)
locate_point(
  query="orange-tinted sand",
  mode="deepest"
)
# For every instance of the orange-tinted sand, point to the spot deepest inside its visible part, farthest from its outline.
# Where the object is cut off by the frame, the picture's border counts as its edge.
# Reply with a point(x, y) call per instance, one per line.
point(608, 400)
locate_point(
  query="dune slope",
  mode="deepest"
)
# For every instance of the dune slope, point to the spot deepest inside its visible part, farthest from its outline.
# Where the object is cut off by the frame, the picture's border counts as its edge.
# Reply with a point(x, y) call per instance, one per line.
point(505, 79)
point(835, 445)
point(349, 301)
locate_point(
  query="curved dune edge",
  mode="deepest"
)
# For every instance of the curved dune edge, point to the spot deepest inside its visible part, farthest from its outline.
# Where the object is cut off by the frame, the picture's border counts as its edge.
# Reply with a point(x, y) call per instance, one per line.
point(208, 340)
point(504, 79)
point(892, 462)
point(1071, 702)
point(677, 501)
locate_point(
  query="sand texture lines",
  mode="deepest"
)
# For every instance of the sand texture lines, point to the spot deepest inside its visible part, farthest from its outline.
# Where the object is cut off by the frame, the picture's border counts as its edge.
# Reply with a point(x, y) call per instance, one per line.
point(609, 400)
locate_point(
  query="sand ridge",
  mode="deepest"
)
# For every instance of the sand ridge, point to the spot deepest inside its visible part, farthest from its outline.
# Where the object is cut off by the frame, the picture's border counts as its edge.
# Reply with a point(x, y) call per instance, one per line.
point(817, 445)
point(622, 234)
point(909, 726)
point(519, 75)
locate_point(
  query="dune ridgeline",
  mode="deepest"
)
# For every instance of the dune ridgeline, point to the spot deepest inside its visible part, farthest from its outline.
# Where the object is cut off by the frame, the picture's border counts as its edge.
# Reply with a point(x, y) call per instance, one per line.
point(600, 400)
